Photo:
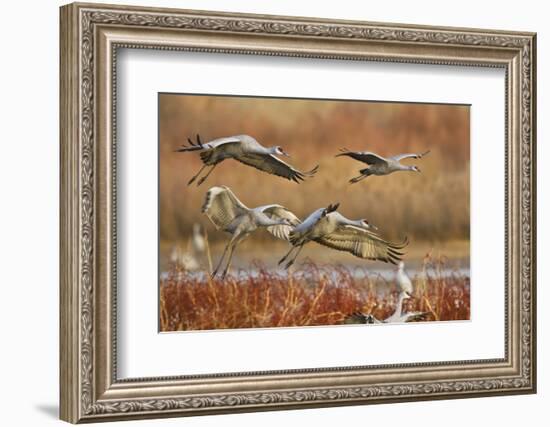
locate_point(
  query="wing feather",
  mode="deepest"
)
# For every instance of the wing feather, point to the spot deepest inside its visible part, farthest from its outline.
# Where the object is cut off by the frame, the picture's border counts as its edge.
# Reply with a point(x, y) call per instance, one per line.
point(210, 145)
point(280, 212)
point(301, 230)
point(415, 316)
point(272, 165)
point(221, 206)
point(363, 156)
point(363, 244)
point(400, 157)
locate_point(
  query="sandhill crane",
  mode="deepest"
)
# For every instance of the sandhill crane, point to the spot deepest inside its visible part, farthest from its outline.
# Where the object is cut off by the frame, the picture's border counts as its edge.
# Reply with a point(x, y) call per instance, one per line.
point(403, 281)
point(229, 214)
point(330, 228)
point(198, 243)
point(398, 316)
point(246, 150)
point(183, 259)
point(189, 259)
point(379, 165)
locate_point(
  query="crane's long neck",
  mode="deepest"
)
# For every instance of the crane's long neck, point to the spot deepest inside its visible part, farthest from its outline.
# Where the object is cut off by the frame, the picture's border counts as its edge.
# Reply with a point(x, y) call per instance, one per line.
point(405, 168)
point(399, 309)
point(357, 223)
point(265, 221)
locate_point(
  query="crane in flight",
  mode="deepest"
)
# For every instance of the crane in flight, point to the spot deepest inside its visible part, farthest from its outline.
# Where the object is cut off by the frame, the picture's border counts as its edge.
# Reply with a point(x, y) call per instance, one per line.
point(229, 214)
point(379, 165)
point(330, 228)
point(247, 150)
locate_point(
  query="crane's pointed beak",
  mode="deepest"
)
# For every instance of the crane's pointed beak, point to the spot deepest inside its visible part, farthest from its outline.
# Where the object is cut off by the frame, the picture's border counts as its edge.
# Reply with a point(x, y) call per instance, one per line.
point(369, 225)
point(284, 153)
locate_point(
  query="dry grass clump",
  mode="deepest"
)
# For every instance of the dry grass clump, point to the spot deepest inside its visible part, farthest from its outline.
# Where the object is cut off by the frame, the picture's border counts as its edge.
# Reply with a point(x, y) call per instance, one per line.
point(310, 295)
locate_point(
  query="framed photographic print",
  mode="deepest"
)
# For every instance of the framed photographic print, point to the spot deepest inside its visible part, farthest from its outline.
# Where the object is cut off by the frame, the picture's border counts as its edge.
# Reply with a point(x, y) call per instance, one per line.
point(264, 212)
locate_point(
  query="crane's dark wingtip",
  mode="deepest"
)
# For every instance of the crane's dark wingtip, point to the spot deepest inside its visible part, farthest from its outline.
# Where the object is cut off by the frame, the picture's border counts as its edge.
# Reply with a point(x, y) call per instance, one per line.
point(183, 149)
point(356, 179)
point(298, 176)
point(311, 172)
point(332, 207)
point(343, 152)
point(402, 244)
point(193, 146)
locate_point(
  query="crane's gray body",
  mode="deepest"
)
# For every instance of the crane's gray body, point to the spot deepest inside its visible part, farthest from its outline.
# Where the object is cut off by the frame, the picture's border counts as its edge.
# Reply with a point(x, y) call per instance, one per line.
point(379, 165)
point(332, 229)
point(246, 150)
point(229, 214)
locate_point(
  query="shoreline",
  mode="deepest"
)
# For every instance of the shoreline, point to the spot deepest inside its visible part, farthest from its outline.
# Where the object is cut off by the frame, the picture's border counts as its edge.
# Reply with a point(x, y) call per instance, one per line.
point(456, 254)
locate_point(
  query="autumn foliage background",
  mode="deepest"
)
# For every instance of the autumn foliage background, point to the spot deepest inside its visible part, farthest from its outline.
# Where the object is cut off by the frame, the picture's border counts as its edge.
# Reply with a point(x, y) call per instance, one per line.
point(432, 208)
point(433, 205)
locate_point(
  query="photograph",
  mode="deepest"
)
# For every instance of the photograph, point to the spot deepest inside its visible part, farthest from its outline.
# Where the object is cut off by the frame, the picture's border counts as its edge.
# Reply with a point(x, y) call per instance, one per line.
point(291, 212)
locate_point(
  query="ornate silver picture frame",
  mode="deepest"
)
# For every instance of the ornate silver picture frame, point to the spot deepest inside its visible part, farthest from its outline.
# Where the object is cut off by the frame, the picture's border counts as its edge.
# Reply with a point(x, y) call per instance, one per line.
point(91, 37)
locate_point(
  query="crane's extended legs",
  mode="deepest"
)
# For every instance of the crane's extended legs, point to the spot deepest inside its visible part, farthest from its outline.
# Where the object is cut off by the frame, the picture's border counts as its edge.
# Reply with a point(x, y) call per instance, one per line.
point(288, 264)
point(357, 179)
point(222, 257)
point(286, 255)
point(196, 175)
point(235, 240)
point(206, 176)
point(230, 256)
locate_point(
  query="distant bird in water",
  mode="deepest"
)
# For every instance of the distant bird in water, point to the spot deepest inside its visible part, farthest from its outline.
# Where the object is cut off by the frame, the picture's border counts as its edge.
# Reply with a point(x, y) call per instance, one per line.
point(183, 259)
point(198, 243)
point(330, 228)
point(229, 214)
point(379, 165)
point(403, 281)
point(189, 259)
point(398, 316)
point(247, 150)
point(406, 292)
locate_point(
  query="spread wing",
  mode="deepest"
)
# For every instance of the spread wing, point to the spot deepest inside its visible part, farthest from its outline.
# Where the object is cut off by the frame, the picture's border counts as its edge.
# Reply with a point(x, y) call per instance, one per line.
point(272, 165)
point(363, 156)
point(360, 318)
point(363, 244)
point(221, 206)
point(301, 230)
point(415, 316)
point(280, 212)
point(210, 145)
point(410, 156)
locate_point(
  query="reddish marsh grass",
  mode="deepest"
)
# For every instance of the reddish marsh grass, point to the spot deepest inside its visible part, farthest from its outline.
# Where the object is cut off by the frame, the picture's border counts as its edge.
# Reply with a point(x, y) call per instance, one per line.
point(310, 295)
